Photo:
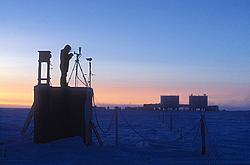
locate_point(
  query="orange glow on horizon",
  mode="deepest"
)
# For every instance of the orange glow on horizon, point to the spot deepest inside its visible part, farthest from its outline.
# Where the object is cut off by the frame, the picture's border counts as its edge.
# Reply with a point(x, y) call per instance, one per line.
point(112, 94)
point(18, 95)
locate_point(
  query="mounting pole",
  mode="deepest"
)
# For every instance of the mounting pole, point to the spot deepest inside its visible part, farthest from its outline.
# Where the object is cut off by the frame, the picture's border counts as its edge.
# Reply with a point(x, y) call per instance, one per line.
point(116, 127)
point(164, 115)
point(90, 73)
point(171, 119)
point(203, 136)
point(90, 70)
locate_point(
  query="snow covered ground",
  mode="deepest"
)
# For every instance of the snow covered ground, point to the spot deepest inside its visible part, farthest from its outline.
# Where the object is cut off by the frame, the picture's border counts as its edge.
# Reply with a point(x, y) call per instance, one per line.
point(145, 138)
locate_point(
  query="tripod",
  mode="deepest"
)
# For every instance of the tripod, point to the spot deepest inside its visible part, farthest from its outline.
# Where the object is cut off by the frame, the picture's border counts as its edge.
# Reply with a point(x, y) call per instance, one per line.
point(75, 67)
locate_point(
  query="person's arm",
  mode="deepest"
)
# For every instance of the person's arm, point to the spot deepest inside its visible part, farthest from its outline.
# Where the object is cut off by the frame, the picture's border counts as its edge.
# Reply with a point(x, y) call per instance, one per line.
point(70, 55)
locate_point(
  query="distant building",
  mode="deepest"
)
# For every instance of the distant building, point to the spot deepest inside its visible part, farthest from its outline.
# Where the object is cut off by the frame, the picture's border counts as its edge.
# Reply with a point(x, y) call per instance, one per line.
point(198, 102)
point(117, 108)
point(99, 108)
point(170, 101)
point(151, 106)
point(132, 108)
point(212, 108)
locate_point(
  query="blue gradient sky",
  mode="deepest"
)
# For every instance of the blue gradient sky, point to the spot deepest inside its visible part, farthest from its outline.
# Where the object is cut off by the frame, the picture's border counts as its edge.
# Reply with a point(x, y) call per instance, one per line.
point(141, 49)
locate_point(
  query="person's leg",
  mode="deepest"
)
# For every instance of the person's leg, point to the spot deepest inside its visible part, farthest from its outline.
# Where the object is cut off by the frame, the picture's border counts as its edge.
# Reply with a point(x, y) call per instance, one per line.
point(63, 81)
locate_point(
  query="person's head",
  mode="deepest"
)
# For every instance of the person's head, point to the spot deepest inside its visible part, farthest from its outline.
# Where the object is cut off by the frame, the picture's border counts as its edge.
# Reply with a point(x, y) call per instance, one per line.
point(67, 48)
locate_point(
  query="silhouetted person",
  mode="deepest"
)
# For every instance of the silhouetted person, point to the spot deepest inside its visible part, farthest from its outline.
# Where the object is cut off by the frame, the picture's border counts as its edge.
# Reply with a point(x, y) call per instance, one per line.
point(65, 56)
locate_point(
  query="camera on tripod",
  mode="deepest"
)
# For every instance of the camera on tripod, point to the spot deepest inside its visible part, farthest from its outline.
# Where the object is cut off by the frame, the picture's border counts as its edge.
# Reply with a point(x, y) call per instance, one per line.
point(79, 54)
point(78, 65)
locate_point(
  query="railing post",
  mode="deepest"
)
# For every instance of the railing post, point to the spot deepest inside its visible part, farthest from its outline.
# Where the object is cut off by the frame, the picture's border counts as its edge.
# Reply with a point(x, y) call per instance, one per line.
point(163, 113)
point(116, 126)
point(171, 120)
point(87, 118)
point(203, 136)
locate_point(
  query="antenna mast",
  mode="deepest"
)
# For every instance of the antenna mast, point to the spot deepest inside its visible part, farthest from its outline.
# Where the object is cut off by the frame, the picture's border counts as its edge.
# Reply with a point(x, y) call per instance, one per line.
point(90, 71)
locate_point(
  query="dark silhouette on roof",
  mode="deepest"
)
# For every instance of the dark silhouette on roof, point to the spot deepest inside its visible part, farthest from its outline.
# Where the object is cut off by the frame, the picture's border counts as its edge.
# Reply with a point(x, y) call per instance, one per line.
point(65, 56)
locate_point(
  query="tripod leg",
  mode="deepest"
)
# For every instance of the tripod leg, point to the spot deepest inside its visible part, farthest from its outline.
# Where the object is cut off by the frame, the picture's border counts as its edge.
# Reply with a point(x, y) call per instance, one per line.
point(81, 81)
point(76, 74)
point(86, 83)
point(72, 72)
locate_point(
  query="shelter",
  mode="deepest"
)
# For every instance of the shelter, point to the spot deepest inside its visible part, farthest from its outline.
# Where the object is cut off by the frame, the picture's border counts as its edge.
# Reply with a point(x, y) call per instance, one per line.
point(60, 112)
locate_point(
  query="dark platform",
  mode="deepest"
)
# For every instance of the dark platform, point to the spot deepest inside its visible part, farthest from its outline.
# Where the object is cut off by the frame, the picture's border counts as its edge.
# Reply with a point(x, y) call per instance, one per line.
point(62, 112)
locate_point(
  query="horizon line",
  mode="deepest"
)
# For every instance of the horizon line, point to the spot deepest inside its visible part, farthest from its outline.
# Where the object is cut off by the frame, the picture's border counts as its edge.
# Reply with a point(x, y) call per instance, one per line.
point(222, 107)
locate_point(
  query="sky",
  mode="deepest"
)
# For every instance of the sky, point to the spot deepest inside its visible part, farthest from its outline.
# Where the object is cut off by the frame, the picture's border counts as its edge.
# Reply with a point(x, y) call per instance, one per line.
point(141, 49)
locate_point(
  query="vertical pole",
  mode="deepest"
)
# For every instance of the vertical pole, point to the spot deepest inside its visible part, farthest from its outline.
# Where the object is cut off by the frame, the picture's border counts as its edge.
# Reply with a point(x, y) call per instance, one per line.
point(76, 75)
point(90, 73)
point(166, 117)
point(159, 113)
point(116, 127)
point(171, 119)
point(87, 118)
point(203, 136)
point(163, 115)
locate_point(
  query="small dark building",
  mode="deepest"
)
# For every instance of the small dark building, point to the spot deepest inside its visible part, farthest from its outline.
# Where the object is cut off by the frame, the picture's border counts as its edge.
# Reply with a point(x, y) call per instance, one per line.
point(198, 102)
point(170, 101)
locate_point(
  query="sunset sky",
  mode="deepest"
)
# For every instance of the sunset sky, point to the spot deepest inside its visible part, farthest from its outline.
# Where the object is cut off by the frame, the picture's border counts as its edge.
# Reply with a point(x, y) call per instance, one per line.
point(141, 49)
